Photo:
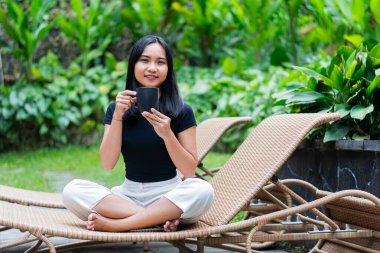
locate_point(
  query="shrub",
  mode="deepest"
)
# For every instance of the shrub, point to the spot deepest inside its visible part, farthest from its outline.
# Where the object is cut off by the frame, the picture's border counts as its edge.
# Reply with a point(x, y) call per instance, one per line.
point(68, 109)
point(349, 85)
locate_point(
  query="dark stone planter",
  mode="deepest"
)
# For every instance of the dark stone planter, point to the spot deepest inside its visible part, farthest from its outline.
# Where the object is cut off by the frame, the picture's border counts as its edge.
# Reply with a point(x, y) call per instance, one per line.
point(336, 166)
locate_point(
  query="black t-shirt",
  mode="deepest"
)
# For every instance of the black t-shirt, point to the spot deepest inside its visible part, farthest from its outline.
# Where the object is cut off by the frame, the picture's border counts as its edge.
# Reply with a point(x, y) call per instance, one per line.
point(145, 155)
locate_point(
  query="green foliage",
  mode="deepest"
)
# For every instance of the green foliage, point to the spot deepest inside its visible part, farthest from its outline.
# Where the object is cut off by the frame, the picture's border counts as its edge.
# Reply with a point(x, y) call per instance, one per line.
point(259, 24)
point(26, 28)
point(68, 106)
point(142, 17)
point(349, 85)
point(363, 17)
point(212, 94)
point(209, 29)
point(240, 39)
point(92, 33)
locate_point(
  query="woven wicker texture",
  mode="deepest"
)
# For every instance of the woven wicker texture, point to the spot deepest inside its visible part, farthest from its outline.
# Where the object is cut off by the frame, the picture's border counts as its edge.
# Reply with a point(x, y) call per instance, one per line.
point(356, 211)
point(27, 197)
point(372, 243)
point(208, 133)
point(210, 130)
point(60, 222)
point(258, 158)
point(336, 248)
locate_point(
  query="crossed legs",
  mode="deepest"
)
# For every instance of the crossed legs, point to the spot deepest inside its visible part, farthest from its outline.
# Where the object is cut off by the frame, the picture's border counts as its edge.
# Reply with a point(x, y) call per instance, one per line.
point(116, 214)
point(188, 200)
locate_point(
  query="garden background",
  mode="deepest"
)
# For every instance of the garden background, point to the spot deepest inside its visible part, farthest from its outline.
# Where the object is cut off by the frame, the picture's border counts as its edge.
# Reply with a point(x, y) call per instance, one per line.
point(63, 62)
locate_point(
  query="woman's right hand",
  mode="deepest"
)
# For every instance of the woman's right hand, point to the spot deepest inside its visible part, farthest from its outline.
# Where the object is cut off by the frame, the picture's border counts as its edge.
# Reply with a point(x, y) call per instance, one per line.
point(124, 101)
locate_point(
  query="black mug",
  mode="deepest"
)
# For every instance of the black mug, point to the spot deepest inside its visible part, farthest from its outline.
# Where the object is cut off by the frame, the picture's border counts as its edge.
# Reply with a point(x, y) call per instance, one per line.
point(147, 98)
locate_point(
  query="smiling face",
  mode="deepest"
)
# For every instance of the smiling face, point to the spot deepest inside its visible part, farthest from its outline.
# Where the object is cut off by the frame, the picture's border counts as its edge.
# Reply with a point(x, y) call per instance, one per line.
point(151, 68)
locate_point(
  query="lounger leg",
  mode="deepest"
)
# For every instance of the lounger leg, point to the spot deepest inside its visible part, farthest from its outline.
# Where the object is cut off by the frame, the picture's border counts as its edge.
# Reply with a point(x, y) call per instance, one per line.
point(145, 246)
point(35, 247)
point(201, 245)
point(182, 248)
point(42, 238)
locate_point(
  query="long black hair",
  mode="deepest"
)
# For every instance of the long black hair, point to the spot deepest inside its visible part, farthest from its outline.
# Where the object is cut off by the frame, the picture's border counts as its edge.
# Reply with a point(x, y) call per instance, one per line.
point(170, 102)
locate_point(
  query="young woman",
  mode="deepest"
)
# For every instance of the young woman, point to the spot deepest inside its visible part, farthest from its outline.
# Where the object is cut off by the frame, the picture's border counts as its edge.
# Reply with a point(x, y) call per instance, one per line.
point(154, 145)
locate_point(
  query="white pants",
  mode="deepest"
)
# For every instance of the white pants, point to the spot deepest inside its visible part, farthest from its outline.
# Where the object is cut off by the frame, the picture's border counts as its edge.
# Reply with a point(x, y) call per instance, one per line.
point(193, 196)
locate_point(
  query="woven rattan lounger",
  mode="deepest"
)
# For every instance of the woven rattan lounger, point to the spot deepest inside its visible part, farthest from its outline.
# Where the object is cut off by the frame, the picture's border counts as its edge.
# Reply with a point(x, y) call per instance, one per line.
point(208, 133)
point(246, 174)
point(355, 215)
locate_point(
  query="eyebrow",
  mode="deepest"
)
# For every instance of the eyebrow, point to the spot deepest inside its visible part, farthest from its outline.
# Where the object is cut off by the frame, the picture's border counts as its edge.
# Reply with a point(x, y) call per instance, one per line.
point(146, 56)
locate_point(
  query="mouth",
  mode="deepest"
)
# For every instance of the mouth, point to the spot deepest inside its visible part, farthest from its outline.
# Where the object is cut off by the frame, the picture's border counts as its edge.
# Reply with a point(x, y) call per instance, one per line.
point(151, 77)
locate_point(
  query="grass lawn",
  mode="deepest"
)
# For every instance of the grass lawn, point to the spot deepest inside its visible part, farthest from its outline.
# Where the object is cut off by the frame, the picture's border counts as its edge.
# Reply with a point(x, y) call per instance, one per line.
point(51, 169)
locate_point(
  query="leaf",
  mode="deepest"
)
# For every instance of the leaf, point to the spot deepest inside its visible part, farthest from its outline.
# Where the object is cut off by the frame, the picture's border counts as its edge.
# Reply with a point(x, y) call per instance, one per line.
point(95, 53)
point(354, 39)
point(21, 114)
point(15, 11)
point(93, 13)
point(44, 29)
point(358, 12)
point(43, 129)
point(358, 137)
point(63, 122)
point(374, 6)
point(359, 112)
point(229, 66)
point(35, 7)
point(9, 29)
point(316, 75)
point(309, 72)
point(336, 132)
point(308, 97)
point(359, 74)
point(342, 109)
point(13, 99)
point(351, 69)
point(110, 61)
point(68, 30)
point(345, 51)
point(77, 6)
point(375, 51)
point(343, 6)
point(337, 78)
point(31, 109)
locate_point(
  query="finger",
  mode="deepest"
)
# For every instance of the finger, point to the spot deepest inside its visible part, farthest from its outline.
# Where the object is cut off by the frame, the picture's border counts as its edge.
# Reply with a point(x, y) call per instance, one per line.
point(123, 103)
point(128, 92)
point(124, 96)
point(151, 116)
point(158, 114)
point(152, 122)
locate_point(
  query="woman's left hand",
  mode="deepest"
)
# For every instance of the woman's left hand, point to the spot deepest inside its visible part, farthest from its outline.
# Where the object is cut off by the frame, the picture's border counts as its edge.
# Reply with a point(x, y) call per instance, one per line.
point(160, 122)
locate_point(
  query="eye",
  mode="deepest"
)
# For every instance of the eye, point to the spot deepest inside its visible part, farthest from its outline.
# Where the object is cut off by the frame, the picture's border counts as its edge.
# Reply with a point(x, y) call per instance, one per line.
point(161, 63)
point(144, 60)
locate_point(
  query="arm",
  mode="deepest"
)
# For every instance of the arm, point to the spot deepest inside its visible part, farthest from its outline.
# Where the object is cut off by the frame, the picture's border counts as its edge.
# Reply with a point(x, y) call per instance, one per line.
point(182, 151)
point(110, 147)
point(111, 144)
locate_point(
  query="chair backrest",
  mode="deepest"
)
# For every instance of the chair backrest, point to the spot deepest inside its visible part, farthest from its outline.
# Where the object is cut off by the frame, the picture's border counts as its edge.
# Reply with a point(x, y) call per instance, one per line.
point(255, 162)
point(210, 130)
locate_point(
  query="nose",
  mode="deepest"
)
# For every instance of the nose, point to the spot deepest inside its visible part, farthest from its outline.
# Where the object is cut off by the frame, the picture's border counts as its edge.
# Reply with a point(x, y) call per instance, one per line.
point(152, 67)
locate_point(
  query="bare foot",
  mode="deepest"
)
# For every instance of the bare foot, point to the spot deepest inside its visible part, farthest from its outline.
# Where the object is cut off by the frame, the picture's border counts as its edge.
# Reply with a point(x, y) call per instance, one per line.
point(99, 223)
point(171, 225)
